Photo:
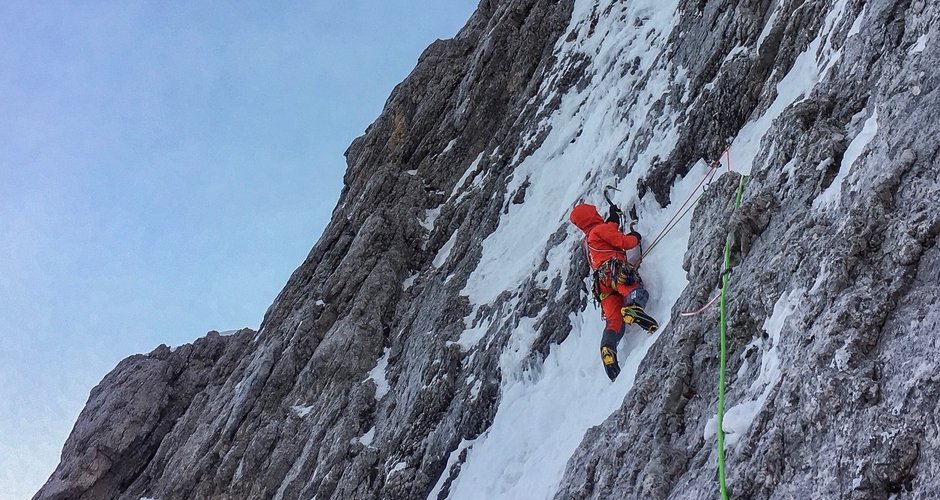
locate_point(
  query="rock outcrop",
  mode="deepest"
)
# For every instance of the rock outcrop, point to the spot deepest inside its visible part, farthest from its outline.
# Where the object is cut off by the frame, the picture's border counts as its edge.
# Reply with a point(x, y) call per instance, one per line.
point(132, 411)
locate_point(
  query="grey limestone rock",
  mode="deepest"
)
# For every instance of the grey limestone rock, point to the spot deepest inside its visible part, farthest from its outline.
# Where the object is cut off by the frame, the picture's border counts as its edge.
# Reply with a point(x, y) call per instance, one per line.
point(850, 416)
point(357, 384)
point(132, 410)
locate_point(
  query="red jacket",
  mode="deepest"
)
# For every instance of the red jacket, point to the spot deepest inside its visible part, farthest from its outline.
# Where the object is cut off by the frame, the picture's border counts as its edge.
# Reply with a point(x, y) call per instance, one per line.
point(604, 239)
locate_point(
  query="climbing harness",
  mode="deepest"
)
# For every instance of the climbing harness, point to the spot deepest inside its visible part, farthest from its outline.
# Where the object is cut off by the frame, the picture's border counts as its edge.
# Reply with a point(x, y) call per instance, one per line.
point(611, 273)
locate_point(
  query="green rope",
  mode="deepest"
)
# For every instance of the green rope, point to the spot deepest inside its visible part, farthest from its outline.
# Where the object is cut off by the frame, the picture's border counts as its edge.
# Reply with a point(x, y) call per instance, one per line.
point(723, 351)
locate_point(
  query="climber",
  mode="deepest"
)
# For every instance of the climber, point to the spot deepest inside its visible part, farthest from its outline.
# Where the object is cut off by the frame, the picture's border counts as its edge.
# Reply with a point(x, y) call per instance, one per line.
point(617, 285)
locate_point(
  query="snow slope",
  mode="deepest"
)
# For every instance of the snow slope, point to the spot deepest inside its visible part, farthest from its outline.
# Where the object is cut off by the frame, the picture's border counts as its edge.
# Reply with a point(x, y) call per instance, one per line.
point(544, 412)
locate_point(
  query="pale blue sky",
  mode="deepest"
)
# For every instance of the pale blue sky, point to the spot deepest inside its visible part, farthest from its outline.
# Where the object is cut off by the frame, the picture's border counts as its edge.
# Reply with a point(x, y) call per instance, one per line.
point(164, 167)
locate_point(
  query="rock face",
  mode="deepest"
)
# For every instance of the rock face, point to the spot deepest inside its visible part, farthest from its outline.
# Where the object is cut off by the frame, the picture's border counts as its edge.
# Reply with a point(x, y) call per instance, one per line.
point(836, 284)
point(130, 413)
point(448, 287)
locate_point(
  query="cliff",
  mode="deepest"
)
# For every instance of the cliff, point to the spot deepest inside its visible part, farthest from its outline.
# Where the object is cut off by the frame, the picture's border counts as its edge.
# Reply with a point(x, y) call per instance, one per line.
point(440, 341)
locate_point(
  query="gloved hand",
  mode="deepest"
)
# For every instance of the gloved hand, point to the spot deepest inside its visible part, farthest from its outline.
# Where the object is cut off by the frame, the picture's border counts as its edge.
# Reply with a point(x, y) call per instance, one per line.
point(639, 239)
point(614, 215)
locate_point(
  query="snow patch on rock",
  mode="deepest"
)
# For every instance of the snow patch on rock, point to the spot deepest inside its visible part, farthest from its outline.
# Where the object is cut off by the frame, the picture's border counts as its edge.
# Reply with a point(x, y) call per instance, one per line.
point(444, 252)
point(301, 410)
point(367, 438)
point(830, 197)
point(738, 418)
point(920, 45)
point(379, 375)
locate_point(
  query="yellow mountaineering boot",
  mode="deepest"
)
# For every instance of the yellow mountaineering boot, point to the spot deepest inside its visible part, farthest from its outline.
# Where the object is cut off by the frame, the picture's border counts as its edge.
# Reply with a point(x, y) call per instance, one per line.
point(609, 358)
point(635, 315)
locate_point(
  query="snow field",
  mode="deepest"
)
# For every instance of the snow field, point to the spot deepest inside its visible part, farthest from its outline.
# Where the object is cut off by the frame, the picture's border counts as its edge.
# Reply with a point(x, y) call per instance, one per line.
point(542, 419)
point(545, 411)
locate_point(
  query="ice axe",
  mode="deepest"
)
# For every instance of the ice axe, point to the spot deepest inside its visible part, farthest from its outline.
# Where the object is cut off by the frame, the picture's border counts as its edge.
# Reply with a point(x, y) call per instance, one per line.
point(634, 219)
point(613, 206)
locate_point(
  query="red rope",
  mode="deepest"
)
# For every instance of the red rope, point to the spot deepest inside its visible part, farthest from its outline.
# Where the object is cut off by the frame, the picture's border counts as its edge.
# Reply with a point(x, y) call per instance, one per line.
point(676, 217)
